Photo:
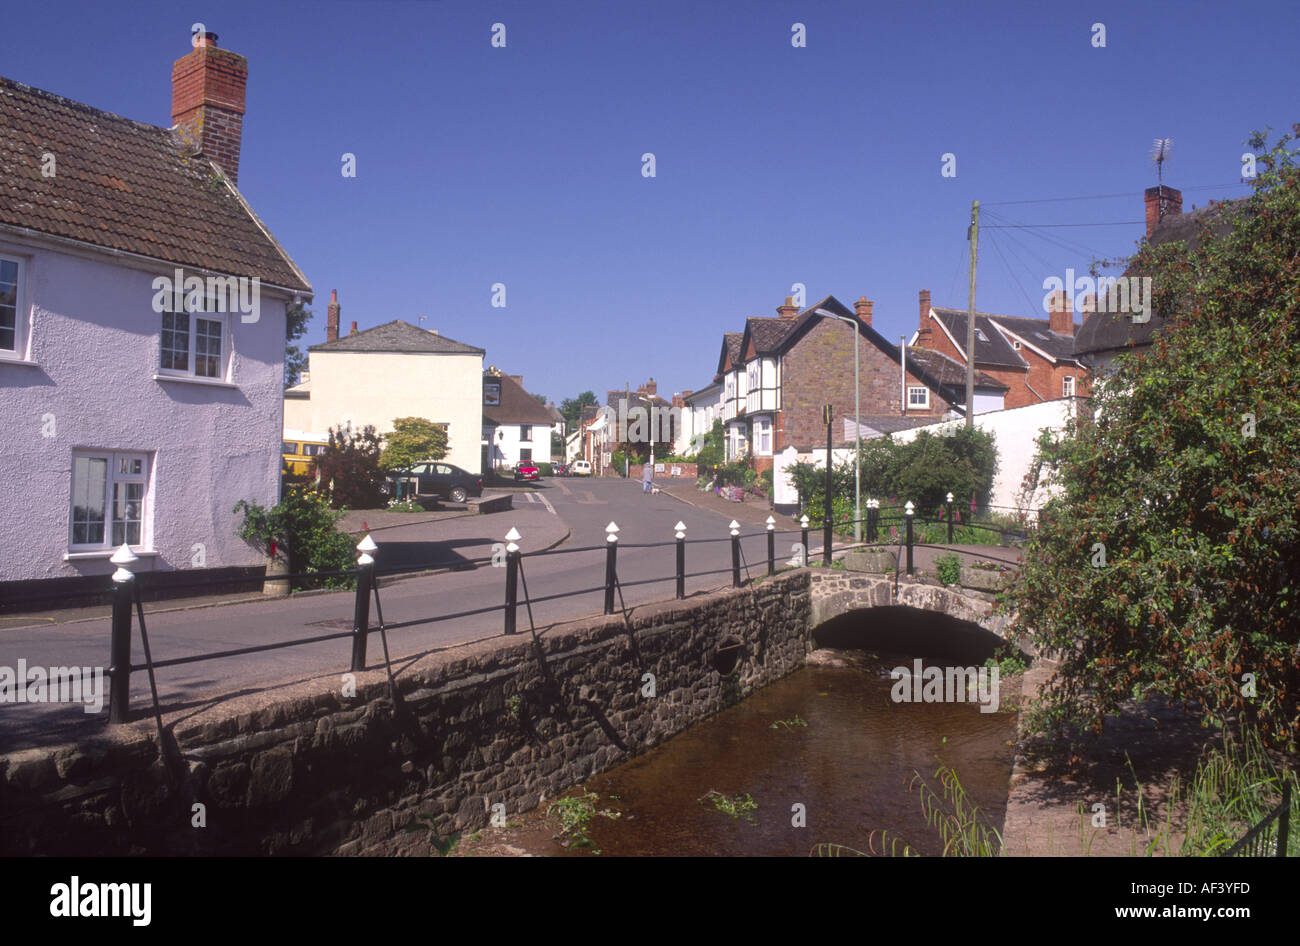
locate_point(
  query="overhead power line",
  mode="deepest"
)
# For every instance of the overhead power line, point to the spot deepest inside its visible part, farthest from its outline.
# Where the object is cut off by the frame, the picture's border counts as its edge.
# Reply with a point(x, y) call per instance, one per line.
point(1052, 200)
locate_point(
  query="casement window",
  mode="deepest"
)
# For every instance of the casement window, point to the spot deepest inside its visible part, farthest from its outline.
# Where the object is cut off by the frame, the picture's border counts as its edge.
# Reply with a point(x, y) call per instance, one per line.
point(763, 436)
point(195, 342)
point(13, 320)
point(108, 499)
point(752, 376)
point(918, 396)
point(1067, 386)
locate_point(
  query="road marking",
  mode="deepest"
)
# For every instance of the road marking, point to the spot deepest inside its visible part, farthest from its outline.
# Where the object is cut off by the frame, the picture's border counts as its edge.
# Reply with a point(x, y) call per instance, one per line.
point(547, 503)
point(532, 498)
point(563, 489)
point(591, 499)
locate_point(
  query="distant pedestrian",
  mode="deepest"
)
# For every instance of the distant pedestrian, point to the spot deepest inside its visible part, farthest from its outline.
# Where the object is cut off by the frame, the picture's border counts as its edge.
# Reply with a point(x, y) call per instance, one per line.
point(647, 477)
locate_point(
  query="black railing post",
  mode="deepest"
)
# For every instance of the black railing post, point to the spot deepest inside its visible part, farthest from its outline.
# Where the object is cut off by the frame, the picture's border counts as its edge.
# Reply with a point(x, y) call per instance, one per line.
point(771, 546)
point(735, 553)
point(908, 511)
point(828, 507)
point(361, 607)
point(873, 513)
point(950, 518)
point(803, 539)
point(611, 565)
point(119, 643)
point(681, 559)
point(512, 579)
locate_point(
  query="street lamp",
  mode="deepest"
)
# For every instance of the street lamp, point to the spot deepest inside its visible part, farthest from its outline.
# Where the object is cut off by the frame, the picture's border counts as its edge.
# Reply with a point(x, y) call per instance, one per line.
point(857, 420)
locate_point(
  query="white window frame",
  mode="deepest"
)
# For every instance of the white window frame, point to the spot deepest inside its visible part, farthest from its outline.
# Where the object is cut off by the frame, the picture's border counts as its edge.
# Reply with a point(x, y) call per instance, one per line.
point(762, 436)
point(19, 351)
point(1067, 386)
point(207, 314)
point(924, 402)
point(113, 477)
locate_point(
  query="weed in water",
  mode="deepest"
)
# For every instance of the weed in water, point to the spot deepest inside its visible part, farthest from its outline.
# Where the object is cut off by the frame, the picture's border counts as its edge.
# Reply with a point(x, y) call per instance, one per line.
point(790, 723)
point(737, 806)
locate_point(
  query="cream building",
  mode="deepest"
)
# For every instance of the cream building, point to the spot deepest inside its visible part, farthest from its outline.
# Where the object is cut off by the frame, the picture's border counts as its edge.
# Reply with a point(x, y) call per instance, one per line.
point(390, 371)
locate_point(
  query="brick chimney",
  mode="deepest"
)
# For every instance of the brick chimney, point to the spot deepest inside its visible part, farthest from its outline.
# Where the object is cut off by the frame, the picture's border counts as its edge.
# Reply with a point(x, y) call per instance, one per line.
point(789, 310)
point(354, 329)
point(1162, 202)
point(923, 334)
point(1061, 317)
point(650, 387)
point(332, 317)
point(863, 308)
point(517, 379)
point(208, 101)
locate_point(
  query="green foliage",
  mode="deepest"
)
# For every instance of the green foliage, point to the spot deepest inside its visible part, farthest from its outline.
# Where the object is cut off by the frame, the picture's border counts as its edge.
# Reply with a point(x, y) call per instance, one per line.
point(735, 806)
point(765, 481)
point(714, 450)
point(545, 469)
point(404, 505)
point(413, 440)
point(349, 468)
point(571, 407)
point(790, 723)
point(575, 813)
point(306, 527)
point(618, 460)
point(948, 568)
point(1008, 660)
point(1188, 478)
point(295, 327)
point(438, 846)
point(922, 471)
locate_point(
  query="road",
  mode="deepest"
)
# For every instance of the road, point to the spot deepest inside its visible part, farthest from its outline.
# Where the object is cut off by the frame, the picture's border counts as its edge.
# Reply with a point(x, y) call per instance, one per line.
point(414, 609)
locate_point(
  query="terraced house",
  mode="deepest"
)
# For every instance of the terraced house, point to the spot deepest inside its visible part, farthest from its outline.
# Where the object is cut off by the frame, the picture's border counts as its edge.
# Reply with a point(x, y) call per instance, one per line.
point(777, 374)
point(135, 412)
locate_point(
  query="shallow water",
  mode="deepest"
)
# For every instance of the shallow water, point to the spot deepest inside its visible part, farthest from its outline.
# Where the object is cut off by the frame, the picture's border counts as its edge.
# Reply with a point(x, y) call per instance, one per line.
point(852, 767)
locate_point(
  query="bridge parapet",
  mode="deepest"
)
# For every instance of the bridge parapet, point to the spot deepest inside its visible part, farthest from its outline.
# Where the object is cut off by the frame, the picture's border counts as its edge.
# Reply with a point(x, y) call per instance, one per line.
point(836, 592)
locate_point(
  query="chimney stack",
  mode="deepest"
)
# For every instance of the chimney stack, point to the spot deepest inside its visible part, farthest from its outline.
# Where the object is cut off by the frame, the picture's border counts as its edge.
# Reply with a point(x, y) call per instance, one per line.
point(354, 329)
point(208, 88)
point(789, 310)
point(1061, 317)
point(923, 333)
point(863, 308)
point(1162, 202)
point(651, 387)
point(332, 317)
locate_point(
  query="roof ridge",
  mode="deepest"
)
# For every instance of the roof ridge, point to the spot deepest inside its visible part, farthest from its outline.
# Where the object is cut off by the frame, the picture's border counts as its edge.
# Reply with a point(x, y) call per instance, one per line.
point(82, 106)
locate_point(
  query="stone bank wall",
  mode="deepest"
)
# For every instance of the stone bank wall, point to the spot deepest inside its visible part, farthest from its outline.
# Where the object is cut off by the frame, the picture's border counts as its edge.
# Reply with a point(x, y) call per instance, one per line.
point(306, 770)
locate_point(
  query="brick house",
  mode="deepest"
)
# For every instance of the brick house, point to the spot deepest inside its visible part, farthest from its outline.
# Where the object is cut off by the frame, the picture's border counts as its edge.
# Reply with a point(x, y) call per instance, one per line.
point(778, 373)
point(1034, 358)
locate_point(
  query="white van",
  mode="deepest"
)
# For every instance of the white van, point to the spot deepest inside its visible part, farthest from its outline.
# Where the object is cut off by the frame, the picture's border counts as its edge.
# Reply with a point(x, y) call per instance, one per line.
point(580, 468)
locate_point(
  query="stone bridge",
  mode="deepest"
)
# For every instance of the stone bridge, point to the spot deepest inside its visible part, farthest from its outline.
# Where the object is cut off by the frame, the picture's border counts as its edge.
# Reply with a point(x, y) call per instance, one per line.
point(836, 592)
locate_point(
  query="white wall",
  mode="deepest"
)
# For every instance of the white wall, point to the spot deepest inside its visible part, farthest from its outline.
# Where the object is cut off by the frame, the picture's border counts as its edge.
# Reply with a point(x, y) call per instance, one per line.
point(505, 449)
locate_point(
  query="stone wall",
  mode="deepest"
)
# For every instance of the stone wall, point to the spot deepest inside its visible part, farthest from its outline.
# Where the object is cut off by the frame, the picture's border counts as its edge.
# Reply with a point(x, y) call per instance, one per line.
point(307, 770)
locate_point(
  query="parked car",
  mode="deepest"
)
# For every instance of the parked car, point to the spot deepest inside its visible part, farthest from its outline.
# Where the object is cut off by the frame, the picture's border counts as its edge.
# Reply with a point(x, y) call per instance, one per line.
point(580, 468)
point(439, 479)
point(527, 470)
point(559, 469)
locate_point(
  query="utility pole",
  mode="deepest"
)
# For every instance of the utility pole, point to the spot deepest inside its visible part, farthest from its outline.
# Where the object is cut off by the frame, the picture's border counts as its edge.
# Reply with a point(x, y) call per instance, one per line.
point(973, 235)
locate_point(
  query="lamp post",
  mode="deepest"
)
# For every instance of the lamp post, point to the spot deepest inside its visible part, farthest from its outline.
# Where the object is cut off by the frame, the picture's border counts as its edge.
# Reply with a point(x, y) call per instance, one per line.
point(857, 420)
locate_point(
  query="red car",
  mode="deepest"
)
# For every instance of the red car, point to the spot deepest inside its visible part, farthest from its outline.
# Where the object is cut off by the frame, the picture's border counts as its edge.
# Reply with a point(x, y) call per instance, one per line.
point(527, 470)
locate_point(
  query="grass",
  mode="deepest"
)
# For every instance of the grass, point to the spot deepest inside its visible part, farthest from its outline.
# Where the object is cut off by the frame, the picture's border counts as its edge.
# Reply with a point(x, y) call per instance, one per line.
point(790, 723)
point(574, 813)
point(736, 806)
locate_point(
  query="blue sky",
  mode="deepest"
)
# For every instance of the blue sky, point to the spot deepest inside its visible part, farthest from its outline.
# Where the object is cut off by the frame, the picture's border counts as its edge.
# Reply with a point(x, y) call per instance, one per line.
point(774, 164)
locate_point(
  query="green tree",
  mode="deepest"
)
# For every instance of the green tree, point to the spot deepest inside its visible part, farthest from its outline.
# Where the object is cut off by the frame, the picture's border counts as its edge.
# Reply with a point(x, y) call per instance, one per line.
point(295, 327)
point(413, 440)
point(1168, 562)
point(349, 468)
point(306, 528)
point(571, 407)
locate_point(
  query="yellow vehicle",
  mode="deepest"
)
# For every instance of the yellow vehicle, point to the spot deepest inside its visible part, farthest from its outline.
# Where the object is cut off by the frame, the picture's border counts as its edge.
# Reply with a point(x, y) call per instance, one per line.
point(298, 449)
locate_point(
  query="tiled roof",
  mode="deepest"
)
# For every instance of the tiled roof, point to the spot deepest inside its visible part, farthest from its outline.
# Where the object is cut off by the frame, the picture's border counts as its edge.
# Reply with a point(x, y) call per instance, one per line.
point(766, 333)
point(940, 371)
point(1038, 332)
point(398, 336)
point(993, 349)
point(127, 186)
point(517, 405)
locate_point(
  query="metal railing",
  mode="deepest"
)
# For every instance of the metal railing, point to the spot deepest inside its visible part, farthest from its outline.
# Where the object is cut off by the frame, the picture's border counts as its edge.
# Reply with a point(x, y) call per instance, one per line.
point(1269, 837)
point(126, 592)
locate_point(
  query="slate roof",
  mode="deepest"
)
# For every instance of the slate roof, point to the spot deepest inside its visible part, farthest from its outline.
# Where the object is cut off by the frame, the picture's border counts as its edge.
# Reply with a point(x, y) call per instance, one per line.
point(939, 371)
point(766, 334)
point(1108, 332)
point(517, 405)
point(893, 423)
point(128, 186)
point(1037, 332)
point(730, 349)
point(398, 336)
point(993, 350)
